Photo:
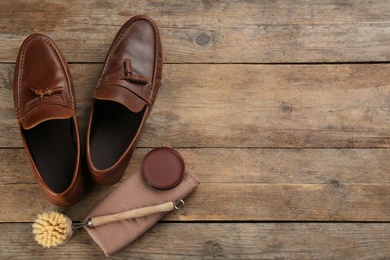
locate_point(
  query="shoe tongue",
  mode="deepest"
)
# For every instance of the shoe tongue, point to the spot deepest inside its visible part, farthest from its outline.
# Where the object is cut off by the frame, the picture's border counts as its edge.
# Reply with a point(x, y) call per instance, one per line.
point(44, 113)
point(121, 95)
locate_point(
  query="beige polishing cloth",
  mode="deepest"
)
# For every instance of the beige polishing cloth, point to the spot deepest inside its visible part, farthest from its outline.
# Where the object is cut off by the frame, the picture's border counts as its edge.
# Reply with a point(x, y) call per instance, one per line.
point(133, 193)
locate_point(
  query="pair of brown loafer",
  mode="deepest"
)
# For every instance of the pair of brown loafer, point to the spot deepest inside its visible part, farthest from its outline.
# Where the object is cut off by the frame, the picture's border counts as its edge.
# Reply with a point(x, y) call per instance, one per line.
point(46, 110)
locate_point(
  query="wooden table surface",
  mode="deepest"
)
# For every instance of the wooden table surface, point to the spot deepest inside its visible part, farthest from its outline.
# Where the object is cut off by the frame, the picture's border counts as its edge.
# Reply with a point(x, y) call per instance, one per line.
point(280, 108)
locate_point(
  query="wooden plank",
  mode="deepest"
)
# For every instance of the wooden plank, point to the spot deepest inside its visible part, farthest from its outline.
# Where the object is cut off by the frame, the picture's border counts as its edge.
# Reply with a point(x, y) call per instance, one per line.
point(219, 241)
point(273, 166)
point(227, 105)
point(232, 202)
point(203, 31)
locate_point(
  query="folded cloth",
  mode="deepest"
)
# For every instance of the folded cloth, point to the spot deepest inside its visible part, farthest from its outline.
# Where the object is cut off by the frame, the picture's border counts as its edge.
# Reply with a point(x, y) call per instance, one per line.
point(133, 193)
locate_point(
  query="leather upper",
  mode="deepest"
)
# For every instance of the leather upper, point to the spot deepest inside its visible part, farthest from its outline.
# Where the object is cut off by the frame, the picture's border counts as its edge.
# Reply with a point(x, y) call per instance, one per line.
point(133, 66)
point(42, 85)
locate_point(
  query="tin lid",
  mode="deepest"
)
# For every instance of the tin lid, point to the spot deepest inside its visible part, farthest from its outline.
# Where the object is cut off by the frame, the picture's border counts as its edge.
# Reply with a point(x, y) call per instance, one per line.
point(163, 168)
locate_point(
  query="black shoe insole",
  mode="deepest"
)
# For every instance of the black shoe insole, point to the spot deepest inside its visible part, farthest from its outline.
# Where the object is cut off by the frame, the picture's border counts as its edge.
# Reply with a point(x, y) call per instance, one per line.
point(52, 147)
point(113, 129)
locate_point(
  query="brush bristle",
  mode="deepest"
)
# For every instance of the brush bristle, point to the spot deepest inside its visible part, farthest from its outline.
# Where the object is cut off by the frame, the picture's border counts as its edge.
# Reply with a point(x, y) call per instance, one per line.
point(50, 229)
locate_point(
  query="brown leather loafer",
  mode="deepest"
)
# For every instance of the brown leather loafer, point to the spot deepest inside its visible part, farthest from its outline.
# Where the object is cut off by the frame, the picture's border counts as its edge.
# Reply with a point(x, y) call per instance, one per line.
point(46, 113)
point(123, 98)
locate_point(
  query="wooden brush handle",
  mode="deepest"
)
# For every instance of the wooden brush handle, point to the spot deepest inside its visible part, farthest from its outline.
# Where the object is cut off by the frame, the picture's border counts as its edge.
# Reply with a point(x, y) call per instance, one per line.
point(134, 213)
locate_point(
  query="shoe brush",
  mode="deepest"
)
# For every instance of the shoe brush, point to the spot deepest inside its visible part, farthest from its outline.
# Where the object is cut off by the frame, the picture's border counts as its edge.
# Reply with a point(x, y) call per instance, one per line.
point(52, 228)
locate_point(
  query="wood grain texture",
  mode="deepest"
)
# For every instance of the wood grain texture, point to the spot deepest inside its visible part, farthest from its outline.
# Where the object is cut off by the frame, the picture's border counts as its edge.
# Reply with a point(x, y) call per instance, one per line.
point(219, 241)
point(272, 166)
point(232, 202)
point(271, 106)
point(207, 32)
